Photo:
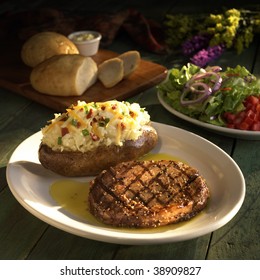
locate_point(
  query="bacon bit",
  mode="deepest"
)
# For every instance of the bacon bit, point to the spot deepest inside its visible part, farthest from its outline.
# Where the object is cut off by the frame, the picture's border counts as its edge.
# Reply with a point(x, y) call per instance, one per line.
point(103, 107)
point(94, 137)
point(132, 114)
point(64, 131)
point(226, 89)
point(114, 107)
point(123, 126)
point(64, 118)
point(232, 74)
point(90, 113)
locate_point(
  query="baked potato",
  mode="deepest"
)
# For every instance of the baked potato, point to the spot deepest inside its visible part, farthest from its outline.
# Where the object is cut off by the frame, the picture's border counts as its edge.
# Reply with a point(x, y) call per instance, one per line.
point(91, 137)
point(93, 162)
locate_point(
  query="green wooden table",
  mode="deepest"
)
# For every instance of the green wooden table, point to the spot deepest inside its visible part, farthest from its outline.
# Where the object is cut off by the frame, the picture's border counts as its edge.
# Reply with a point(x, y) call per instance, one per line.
point(23, 236)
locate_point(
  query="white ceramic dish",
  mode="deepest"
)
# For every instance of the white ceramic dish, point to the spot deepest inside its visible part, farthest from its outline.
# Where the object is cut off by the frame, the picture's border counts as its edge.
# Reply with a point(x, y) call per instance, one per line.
point(87, 46)
point(236, 133)
point(30, 183)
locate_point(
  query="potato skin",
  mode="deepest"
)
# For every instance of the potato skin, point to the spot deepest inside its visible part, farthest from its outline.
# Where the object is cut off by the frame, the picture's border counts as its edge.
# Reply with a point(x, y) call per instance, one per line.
point(78, 164)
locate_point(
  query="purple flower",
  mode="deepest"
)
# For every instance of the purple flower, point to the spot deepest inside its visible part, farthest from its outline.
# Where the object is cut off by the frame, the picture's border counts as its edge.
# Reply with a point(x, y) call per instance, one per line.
point(203, 57)
point(195, 44)
point(216, 51)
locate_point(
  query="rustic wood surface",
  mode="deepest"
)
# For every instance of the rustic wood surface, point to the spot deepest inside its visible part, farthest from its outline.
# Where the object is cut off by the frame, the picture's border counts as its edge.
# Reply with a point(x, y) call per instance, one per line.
point(23, 236)
point(147, 75)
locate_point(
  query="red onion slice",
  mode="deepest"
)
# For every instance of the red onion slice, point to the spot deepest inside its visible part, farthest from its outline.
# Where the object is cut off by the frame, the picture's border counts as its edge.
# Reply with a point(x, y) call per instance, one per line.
point(200, 76)
point(197, 86)
point(202, 94)
point(214, 68)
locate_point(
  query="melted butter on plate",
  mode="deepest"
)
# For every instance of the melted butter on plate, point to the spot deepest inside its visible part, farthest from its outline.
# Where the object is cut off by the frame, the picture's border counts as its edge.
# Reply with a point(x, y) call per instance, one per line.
point(72, 196)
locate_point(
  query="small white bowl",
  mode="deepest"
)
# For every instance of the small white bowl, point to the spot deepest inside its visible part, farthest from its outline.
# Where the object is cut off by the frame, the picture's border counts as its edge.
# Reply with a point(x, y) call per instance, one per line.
point(86, 41)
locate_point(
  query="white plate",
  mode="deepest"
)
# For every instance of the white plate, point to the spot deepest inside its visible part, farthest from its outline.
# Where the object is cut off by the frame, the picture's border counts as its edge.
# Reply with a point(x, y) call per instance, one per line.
point(30, 183)
point(237, 133)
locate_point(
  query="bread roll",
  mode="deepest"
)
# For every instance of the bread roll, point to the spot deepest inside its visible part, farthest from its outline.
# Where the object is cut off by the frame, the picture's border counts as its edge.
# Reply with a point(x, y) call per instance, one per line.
point(64, 75)
point(111, 72)
point(44, 45)
point(131, 61)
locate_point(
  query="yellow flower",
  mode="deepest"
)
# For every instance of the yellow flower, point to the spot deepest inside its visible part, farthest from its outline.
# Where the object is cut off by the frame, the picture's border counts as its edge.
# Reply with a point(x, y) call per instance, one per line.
point(233, 21)
point(211, 30)
point(216, 18)
point(232, 12)
point(230, 31)
point(219, 27)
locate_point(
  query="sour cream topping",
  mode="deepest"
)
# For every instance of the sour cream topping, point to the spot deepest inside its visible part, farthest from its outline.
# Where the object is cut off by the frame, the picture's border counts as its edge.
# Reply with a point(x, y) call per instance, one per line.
point(85, 126)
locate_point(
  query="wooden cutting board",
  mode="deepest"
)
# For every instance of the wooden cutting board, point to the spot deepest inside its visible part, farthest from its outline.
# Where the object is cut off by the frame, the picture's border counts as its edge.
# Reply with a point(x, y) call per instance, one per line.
point(14, 76)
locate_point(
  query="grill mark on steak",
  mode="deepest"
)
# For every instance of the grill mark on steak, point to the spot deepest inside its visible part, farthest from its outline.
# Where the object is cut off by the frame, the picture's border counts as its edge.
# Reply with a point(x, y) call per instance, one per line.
point(147, 193)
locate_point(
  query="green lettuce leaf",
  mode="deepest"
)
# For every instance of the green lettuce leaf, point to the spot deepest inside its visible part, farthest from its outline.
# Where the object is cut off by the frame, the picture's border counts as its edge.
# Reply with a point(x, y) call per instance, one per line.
point(237, 84)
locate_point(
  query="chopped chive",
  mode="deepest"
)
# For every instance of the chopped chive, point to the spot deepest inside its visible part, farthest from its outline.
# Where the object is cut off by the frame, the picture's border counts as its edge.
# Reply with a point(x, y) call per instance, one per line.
point(85, 132)
point(86, 109)
point(104, 122)
point(74, 122)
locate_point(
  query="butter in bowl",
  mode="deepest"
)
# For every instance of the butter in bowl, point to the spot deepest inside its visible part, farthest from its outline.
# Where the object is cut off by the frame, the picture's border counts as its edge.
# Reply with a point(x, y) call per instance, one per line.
point(87, 42)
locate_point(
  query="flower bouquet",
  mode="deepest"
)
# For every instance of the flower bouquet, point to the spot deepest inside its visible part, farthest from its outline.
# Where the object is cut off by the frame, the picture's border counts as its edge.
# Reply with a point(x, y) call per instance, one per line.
point(203, 38)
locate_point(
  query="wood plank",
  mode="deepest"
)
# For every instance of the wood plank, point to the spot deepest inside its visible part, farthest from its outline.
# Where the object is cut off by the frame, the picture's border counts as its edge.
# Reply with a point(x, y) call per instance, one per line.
point(3, 182)
point(19, 229)
point(239, 239)
point(11, 106)
point(19, 118)
point(68, 246)
point(14, 75)
point(186, 250)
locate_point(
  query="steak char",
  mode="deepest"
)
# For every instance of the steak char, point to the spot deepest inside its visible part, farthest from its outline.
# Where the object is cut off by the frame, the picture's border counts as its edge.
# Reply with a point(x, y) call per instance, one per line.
point(145, 194)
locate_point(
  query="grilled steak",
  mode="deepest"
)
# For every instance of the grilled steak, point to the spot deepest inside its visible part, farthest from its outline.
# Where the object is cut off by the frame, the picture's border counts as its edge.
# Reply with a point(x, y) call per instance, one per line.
point(146, 194)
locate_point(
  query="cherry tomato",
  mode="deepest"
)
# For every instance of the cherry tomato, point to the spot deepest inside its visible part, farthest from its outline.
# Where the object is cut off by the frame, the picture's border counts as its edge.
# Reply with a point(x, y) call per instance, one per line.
point(249, 119)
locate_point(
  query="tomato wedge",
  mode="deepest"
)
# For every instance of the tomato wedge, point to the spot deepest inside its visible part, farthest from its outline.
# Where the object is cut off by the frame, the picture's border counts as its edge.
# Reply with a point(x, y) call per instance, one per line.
point(249, 119)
